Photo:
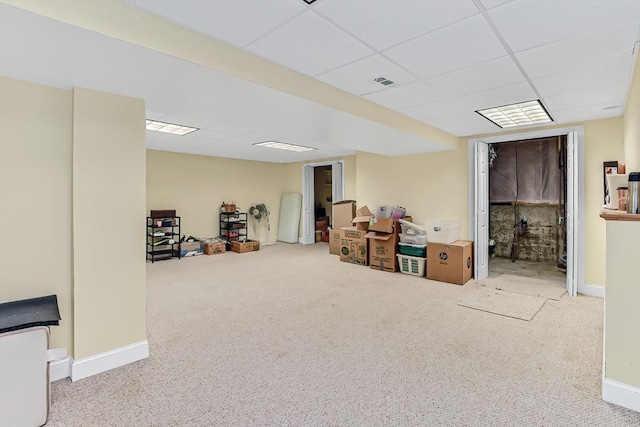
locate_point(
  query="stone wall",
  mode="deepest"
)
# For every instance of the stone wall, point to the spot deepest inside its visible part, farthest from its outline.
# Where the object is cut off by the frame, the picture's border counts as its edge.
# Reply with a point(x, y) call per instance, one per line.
point(542, 240)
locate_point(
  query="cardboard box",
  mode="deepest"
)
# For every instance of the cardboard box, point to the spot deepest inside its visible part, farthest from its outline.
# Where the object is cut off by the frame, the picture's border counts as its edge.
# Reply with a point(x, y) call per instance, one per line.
point(387, 225)
point(353, 246)
point(382, 225)
point(163, 213)
point(215, 248)
point(318, 236)
point(246, 246)
point(451, 263)
point(191, 248)
point(383, 244)
point(342, 214)
point(383, 251)
point(322, 224)
point(334, 241)
point(362, 218)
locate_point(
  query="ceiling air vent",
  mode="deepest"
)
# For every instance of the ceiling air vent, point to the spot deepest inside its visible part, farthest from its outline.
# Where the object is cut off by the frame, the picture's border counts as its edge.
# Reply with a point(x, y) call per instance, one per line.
point(383, 81)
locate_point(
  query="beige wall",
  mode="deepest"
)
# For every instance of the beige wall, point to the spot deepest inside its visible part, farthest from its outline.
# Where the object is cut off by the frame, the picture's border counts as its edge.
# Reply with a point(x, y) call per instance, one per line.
point(35, 198)
point(632, 123)
point(212, 180)
point(622, 322)
point(108, 221)
point(196, 186)
point(430, 186)
point(603, 141)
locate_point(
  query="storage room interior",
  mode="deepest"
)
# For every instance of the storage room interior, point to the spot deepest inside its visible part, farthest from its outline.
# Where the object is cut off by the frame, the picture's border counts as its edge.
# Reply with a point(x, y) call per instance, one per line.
point(527, 189)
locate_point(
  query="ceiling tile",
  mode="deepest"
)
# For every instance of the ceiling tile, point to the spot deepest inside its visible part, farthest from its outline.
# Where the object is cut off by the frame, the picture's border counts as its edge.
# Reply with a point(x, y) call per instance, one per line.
point(190, 141)
point(490, 4)
point(242, 148)
point(358, 77)
point(377, 22)
point(238, 22)
point(493, 98)
point(579, 52)
point(406, 96)
point(591, 112)
point(457, 46)
point(156, 139)
point(464, 124)
point(478, 78)
point(311, 45)
point(611, 95)
point(526, 24)
point(607, 73)
point(209, 135)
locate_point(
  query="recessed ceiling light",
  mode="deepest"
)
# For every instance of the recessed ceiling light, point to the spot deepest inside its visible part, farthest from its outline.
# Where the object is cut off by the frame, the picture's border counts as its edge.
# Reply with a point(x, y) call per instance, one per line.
point(284, 146)
point(169, 128)
point(520, 114)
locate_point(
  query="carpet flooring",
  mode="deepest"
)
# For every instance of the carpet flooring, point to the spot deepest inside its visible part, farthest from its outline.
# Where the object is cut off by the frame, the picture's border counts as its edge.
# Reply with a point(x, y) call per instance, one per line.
point(290, 336)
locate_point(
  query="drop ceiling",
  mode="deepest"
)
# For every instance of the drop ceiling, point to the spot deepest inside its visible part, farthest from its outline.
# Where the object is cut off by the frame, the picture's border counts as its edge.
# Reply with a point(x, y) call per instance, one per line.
point(447, 59)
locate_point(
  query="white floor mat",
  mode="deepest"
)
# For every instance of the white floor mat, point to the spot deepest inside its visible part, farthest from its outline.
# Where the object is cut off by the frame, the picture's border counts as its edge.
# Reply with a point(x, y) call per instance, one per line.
point(503, 303)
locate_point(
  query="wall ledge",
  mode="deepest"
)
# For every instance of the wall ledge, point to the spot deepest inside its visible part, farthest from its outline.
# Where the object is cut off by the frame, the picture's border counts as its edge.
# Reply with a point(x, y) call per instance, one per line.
point(615, 215)
point(108, 360)
point(621, 394)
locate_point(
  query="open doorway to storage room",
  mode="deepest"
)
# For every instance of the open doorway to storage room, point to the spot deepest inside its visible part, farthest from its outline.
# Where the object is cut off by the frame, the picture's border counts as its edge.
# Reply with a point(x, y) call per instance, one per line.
point(527, 211)
point(323, 183)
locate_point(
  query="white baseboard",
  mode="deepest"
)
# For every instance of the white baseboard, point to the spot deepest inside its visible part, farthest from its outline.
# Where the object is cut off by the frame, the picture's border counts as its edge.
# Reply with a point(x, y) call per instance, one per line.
point(111, 359)
point(621, 394)
point(592, 290)
point(59, 369)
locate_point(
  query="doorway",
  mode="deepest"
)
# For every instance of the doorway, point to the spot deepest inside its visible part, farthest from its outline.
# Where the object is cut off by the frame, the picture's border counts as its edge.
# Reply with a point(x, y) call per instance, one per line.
point(323, 183)
point(315, 179)
point(527, 210)
point(479, 210)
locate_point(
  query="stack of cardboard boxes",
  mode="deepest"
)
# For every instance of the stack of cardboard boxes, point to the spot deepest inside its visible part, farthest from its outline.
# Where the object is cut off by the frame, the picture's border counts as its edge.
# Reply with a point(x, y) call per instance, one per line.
point(364, 240)
point(383, 244)
point(322, 229)
point(352, 242)
point(342, 214)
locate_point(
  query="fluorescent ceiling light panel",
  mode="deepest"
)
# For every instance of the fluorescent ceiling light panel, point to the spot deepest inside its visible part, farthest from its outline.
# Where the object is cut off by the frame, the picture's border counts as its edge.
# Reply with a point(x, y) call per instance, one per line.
point(521, 114)
point(284, 146)
point(169, 128)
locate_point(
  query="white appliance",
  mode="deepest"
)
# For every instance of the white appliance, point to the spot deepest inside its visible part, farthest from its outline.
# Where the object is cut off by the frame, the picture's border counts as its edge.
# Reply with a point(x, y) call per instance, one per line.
point(614, 180)
point(24, 374)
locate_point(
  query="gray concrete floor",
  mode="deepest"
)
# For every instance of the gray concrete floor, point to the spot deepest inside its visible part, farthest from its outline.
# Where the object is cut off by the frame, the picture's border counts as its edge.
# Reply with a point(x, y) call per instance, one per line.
point(540, 270)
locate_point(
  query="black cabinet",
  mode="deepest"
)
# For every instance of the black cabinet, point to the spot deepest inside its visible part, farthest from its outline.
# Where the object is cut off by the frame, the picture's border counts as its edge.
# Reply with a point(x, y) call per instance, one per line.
point(163, 238)
point(233, 226)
